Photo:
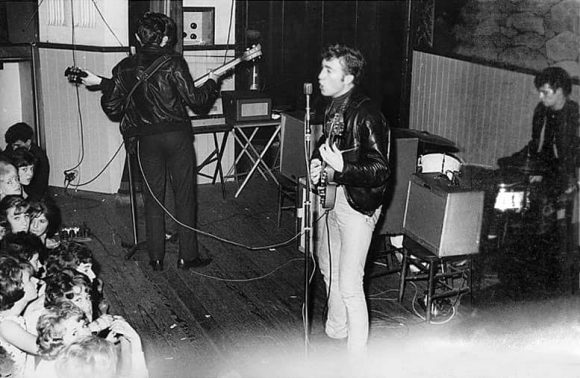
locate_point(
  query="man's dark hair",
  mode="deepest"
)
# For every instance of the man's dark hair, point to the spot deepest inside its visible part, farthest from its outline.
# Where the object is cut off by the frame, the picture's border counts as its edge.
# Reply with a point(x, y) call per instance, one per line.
point(154, 26)
point(555, 77)
point(19, 131)
point(351, 59)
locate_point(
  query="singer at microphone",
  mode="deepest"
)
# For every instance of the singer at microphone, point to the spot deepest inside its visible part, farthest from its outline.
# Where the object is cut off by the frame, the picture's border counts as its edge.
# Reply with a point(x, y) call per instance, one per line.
point(350, 168)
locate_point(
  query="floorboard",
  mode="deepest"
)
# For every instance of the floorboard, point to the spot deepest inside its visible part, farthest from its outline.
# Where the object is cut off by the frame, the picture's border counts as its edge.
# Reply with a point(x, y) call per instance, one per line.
point(241, 316)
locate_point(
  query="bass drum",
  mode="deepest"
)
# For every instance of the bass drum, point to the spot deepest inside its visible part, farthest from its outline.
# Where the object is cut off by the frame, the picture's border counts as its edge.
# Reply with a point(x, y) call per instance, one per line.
point(442, 163)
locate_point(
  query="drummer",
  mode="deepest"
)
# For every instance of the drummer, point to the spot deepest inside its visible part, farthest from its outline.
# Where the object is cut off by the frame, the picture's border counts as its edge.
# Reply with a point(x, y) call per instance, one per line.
point(555, 125)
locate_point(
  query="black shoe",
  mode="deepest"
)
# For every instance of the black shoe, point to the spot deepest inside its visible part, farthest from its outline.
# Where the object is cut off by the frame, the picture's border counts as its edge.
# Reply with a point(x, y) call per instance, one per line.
point(195, 263)
point(157, 265)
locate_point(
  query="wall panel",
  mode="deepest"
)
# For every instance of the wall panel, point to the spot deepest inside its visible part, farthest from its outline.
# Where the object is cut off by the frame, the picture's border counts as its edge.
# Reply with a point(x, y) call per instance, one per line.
point(486, 111)
point(75, 127)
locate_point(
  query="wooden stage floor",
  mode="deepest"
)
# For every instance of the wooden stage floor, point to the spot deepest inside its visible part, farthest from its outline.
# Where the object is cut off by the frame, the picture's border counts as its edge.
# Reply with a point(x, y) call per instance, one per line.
point(241, 316)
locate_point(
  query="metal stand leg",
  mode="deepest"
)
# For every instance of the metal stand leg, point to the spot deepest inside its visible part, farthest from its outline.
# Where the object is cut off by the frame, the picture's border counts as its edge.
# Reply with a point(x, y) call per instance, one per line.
point(136, 246)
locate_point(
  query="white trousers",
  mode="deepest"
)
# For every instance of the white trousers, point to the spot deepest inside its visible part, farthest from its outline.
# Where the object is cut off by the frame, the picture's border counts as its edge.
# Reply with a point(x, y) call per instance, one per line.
point(343, 240)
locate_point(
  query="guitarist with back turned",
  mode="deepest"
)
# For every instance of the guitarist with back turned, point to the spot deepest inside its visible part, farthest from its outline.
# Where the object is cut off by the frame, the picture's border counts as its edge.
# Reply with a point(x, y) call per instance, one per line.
point(148, 95)
point(351, 159)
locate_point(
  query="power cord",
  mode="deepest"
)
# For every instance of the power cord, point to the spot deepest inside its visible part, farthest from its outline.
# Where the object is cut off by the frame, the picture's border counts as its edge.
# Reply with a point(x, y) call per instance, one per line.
point(269, 247)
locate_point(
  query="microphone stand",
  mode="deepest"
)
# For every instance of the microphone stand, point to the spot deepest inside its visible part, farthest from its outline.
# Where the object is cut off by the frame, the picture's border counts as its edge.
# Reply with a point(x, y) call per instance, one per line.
point(307, 218)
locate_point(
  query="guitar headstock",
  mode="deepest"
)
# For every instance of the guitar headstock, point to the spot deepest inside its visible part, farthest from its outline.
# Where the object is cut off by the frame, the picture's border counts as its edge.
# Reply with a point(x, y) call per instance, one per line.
point(252, 53)
point(74, 74)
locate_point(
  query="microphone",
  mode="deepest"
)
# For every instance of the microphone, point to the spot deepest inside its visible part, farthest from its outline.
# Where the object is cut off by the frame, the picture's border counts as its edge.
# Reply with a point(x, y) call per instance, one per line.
point(307, 92)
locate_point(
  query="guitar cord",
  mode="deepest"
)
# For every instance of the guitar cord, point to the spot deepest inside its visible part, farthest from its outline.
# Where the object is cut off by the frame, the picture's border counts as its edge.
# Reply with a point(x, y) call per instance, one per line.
point(270, 247)
point(71, 174)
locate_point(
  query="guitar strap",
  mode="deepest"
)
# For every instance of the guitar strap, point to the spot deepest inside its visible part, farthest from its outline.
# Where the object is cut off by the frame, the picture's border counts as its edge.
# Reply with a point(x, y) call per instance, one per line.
point(149, 71)
point(141, 78)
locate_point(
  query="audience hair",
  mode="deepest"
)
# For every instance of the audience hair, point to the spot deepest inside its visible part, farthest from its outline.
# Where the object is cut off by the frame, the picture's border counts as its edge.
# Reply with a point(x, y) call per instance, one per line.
point(50, 327)
point(11, 287)
point(51, 212)
point(5, 165)
point(60, 285)
point(90, 357)
point(24, 245)
point(21, 157)
point(19, 131)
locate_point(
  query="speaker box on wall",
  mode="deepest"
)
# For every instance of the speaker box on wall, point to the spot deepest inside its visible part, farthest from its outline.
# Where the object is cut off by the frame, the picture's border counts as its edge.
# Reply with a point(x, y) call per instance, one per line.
point(442, 217)
point(403, 162)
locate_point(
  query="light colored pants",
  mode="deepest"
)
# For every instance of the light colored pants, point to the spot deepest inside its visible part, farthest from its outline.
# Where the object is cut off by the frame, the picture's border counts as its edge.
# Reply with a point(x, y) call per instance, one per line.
point(348, 235)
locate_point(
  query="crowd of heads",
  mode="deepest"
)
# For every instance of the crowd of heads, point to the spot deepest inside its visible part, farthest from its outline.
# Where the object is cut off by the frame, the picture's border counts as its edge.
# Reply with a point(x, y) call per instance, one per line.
point(50, 295)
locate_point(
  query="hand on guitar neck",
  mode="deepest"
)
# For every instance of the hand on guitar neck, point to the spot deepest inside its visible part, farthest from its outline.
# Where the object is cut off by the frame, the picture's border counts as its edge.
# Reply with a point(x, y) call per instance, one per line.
point(82, 76)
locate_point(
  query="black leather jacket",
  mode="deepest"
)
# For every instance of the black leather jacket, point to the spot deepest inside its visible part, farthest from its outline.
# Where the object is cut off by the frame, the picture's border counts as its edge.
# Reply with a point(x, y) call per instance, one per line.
point(562, 129)
point(366, 164)
point(159, 104)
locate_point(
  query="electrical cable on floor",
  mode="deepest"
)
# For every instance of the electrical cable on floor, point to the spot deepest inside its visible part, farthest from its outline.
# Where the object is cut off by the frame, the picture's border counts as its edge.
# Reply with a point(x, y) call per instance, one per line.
point(248, 279)
point(269, 247)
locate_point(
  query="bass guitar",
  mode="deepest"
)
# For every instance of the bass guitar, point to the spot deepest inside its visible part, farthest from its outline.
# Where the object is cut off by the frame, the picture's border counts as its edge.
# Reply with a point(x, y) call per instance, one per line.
point(326, 189)
point(75, 74)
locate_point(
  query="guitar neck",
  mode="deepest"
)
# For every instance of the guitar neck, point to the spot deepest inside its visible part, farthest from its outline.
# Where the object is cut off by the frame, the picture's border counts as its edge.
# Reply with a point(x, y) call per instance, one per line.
point(218, 71)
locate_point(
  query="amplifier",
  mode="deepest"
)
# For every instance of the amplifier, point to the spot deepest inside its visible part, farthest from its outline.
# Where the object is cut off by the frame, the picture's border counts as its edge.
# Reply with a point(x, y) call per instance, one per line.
point(444, 218)
point(242, 106)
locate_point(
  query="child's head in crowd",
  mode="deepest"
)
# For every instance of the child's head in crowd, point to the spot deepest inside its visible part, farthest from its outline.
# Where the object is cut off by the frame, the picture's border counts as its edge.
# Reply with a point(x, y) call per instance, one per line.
point(70, 286)
point(26, 247)
point(89, 357)
point(24, 161)
point(45, 218)
point(17, 283)
point(9, 182)
point(14, 213)
point(76, 256)
point(60, 325)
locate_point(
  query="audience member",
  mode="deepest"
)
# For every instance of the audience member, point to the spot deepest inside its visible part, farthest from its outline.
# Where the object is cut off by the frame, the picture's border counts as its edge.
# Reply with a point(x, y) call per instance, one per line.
point(89, 357)
point(21, 135)
point(45, 220)
point(14, 213)
point(17, 290)
point(26, 247)
point(24, 161)
point(9, 182)
point(64, 324)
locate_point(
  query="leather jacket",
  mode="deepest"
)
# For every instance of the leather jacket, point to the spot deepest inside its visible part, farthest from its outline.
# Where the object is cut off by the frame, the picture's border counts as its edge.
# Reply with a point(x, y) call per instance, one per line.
point(366, 164)
point(158, 105)
point(561, 136)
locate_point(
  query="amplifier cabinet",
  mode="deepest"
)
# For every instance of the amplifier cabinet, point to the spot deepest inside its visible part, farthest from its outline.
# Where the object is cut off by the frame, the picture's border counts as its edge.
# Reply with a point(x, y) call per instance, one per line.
point(242, 106)
point(444, 218)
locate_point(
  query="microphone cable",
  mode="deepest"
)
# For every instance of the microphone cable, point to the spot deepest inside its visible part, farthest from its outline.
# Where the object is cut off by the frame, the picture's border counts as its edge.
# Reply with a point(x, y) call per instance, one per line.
point(237, 244)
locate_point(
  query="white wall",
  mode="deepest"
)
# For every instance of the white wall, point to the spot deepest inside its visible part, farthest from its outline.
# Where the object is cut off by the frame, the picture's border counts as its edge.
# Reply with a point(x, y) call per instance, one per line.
point(56, 22)
point(10, 103)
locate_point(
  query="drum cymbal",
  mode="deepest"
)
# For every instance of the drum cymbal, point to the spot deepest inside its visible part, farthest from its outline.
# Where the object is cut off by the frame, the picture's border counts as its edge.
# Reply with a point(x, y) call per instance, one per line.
point(424, 136)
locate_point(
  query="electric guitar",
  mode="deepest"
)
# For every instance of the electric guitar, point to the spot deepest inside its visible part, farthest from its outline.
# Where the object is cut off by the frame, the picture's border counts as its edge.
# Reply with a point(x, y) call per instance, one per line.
point(75, 74)
point(326, 189)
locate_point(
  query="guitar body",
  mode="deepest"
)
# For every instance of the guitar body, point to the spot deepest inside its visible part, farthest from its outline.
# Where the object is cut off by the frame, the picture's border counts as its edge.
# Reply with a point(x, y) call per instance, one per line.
point(326, 189)
point(328, 198)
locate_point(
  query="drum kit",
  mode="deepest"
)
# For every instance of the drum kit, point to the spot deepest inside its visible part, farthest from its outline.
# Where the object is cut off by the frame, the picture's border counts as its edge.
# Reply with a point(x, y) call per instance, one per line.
point(435, 152)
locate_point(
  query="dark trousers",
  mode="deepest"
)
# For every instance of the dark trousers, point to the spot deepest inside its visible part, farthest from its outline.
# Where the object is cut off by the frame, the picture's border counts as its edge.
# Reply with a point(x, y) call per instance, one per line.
point(171, 153)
